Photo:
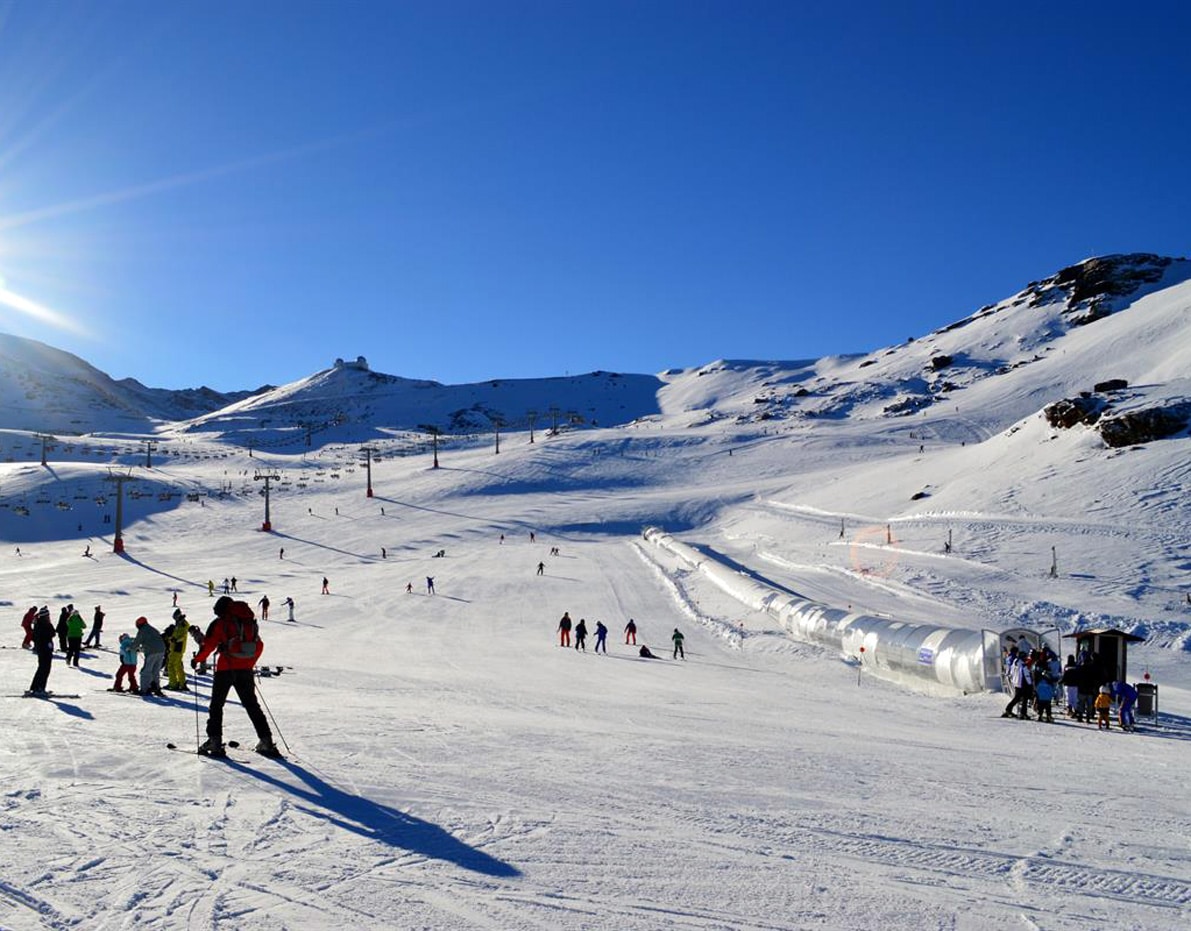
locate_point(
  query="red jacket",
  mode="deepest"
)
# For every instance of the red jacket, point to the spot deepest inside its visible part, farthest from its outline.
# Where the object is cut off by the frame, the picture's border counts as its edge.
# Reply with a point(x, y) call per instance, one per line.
point(222, 630)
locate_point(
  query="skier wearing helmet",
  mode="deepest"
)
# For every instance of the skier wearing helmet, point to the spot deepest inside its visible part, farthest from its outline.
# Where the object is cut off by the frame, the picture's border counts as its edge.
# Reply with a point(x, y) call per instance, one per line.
point(150, 642)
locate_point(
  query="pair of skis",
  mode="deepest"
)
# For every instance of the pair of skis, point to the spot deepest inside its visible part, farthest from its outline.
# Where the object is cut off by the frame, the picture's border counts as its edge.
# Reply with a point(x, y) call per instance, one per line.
point(43, 695)
point(231, 744)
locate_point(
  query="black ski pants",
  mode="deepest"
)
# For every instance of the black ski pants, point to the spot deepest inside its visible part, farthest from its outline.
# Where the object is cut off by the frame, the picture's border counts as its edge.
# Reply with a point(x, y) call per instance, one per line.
point(244, 682)
point(45, 659)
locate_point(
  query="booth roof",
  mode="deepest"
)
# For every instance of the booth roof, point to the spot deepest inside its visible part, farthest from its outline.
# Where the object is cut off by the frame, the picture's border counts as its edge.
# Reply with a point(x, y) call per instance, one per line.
point(1102, 631)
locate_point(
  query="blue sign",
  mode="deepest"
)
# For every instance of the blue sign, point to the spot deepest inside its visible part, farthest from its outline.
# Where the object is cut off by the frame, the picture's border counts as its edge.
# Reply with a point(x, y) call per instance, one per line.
point(926, 656)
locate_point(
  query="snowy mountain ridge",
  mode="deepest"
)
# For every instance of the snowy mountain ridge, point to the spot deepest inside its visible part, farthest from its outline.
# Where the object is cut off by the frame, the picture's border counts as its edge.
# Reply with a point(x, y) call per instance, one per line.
point(1046, 326)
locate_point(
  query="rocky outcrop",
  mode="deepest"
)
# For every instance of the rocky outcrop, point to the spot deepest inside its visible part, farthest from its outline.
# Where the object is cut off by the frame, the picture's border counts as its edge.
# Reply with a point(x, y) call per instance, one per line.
point(1144, 426)
point(1072, 411)
point(1110, 276)
point(1090, 287)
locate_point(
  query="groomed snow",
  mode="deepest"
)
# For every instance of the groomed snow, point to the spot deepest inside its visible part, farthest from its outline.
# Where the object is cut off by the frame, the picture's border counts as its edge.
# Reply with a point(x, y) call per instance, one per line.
point(450, 767)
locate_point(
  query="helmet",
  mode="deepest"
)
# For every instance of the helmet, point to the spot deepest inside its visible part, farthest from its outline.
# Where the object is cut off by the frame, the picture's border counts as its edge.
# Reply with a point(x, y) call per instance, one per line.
point(142, 621)
point(222, 604)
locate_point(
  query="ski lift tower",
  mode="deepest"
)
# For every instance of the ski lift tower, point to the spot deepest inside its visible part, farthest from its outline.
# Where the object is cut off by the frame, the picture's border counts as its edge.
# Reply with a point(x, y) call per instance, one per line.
point(368, 451)
point(46, 440)
point(118, 541)
point(266, 478)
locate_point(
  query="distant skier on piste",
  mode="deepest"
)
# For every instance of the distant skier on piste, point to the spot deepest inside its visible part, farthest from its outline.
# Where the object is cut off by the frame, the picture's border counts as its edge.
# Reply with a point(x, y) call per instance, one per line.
point(234, 636)
point(96, 628)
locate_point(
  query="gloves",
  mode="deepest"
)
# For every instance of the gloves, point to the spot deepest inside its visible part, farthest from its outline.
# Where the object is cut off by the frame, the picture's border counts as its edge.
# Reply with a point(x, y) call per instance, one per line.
point(193, 663)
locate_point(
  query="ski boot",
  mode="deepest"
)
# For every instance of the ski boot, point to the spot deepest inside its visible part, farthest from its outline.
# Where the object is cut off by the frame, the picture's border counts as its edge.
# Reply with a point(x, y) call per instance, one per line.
point(268, 748)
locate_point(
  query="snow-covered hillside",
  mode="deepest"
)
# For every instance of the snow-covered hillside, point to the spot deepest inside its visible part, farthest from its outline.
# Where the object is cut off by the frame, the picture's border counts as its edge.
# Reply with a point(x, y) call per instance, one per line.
point(46, 389)
point(451, 767)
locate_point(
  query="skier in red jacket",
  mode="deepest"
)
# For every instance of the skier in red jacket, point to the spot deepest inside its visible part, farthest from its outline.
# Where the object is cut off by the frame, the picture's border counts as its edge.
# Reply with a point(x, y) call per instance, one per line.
point(234, 636)
point(27, 623)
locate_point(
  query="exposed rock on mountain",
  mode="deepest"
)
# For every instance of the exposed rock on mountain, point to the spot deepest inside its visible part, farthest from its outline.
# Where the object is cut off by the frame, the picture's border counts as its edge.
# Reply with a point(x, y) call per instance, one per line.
point(1144, 426)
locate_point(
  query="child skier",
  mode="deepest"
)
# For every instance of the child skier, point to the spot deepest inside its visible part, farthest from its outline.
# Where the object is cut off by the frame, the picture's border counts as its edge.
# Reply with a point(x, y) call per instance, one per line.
point(1044, 693)
point(1103, 705)
point(127, 666)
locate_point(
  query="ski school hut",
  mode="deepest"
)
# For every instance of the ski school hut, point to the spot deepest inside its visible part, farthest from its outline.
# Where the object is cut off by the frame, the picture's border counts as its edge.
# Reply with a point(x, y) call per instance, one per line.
point(927, 656)
point(1110, 648)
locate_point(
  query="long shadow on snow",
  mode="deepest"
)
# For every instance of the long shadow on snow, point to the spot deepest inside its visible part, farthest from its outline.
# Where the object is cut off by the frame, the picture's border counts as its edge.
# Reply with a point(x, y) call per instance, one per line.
point(378, 822)
point(743, 569)
point(420, 507)
point(321, 546)
point(177, 578)
point(1168, 726)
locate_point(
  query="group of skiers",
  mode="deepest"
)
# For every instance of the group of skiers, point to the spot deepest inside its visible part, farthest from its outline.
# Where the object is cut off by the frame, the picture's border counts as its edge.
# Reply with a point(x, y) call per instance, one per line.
point(1039, 680)
point(233, 635)
point(68, 631)
point(158, 648)
point(566, 626)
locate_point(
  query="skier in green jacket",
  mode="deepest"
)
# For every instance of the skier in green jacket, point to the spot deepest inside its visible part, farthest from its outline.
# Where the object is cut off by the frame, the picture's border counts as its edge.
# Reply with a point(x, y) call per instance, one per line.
point(75, 628)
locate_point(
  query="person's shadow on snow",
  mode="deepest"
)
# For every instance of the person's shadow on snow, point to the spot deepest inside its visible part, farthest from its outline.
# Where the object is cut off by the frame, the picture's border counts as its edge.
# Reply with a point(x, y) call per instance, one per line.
point(378, 822)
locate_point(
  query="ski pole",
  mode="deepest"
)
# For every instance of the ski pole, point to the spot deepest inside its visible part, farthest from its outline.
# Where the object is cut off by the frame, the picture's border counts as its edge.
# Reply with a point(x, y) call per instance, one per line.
point(197, 739)
point(272, 719)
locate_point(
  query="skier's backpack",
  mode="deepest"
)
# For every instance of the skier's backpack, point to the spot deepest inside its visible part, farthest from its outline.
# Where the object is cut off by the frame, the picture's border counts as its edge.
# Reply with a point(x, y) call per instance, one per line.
point(243, 642)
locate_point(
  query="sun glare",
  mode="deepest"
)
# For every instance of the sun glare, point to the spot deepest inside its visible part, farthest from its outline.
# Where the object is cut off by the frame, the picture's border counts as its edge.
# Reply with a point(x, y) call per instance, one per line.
point(38, 312)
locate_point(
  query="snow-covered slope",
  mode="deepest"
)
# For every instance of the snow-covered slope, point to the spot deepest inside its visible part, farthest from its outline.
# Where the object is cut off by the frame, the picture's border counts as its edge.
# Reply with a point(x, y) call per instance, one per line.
point(452, 768)
point(46, 389)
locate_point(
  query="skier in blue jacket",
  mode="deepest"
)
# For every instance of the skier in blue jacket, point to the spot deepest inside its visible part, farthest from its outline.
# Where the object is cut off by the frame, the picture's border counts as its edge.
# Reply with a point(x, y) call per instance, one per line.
point(1126, 695)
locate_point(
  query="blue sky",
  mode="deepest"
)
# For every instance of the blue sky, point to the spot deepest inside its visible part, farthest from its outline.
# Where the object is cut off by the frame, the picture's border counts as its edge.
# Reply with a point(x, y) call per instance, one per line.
point(237, 193)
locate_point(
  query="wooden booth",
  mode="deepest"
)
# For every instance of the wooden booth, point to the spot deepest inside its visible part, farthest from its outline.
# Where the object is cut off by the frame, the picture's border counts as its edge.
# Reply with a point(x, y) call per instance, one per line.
point(1110, 647)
